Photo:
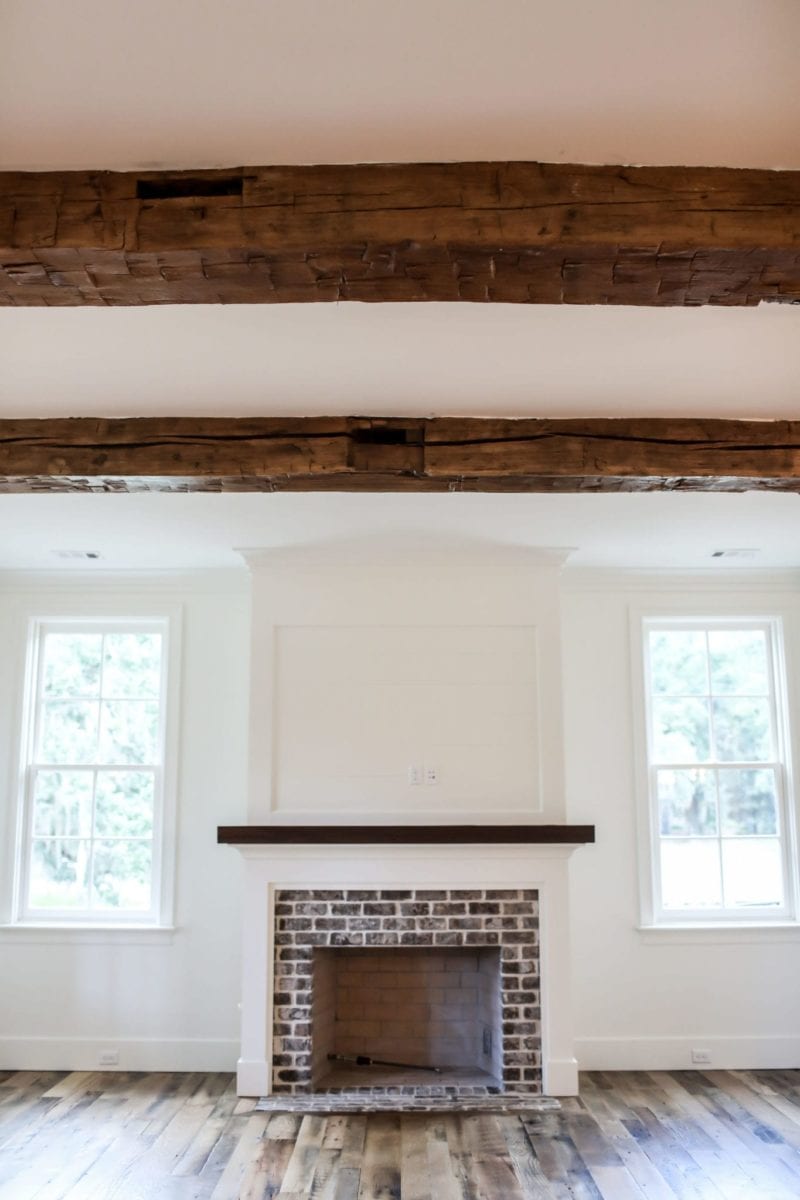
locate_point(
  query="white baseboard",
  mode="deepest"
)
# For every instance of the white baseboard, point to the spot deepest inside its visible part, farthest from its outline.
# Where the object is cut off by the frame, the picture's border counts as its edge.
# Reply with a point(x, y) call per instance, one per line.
point(253, 1077)
point(135, 1054)
point(560, 1077)
point(779, 1051)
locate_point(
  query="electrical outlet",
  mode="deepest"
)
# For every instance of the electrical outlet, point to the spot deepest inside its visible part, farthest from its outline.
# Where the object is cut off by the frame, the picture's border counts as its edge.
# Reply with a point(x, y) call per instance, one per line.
point(109, 1058)
point(431, 775)
point(415, 776)
point(701, 1058)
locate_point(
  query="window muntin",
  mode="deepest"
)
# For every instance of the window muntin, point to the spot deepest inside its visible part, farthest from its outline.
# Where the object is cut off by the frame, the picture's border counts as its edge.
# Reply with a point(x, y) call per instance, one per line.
point(93, 777)
point(716, 770)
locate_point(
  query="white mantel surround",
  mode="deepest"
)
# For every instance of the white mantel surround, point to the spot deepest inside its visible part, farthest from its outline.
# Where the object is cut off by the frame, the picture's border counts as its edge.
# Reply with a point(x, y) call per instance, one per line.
point(268, 868)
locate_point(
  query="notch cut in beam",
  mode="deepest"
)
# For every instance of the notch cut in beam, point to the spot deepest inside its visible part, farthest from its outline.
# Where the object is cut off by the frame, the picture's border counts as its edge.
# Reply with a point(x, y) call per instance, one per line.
point(513, 232)
point(370, 454)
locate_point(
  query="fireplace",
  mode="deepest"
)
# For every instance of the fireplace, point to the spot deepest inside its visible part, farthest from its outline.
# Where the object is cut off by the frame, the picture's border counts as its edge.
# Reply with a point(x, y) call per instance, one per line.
point(428, 988)
point(359, 866)
point(407, 1017)
point(405, 738)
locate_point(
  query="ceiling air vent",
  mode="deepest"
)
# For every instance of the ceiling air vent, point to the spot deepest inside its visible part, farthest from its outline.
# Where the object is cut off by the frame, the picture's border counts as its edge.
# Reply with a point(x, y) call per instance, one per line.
point(84, 554)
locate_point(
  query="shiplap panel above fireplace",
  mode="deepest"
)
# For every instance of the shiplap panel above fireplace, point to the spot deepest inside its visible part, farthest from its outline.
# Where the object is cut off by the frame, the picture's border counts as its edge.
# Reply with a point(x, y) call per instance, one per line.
point(366, 660)
point(357, 706)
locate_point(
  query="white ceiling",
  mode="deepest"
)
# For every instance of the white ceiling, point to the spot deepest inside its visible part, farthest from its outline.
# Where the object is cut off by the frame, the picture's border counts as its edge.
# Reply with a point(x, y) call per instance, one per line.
point(171, 83)
point(406, 359)
point(152, 83)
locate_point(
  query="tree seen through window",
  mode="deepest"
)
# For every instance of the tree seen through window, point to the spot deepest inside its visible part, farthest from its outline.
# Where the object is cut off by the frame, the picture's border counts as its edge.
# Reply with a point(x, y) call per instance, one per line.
point(715, 770)
point(95, 770)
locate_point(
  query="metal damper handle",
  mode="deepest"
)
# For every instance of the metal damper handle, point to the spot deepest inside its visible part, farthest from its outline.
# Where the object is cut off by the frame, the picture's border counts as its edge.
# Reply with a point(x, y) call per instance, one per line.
point(363, 1060)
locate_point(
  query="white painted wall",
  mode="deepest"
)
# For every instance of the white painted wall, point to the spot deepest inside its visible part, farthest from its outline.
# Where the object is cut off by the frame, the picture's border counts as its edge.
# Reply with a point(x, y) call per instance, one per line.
point(644, 1000)
point(166, 1001)
point(641, 999)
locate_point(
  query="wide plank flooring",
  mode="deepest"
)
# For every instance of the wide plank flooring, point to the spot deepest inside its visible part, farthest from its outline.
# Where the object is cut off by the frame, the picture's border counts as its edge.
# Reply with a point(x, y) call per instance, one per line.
point(733, 1135)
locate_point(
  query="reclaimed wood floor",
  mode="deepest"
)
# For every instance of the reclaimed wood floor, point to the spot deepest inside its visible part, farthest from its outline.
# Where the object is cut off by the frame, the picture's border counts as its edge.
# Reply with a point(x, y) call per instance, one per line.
point(733, 1135)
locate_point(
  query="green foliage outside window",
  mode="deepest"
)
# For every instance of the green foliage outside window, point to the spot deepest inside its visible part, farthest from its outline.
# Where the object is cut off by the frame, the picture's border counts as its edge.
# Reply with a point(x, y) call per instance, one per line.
point(95, 771)
point(714, 761)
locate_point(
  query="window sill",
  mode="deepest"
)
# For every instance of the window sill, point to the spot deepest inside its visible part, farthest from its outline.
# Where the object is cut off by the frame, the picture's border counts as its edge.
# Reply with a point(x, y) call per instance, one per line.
point(720, 934)
point(22, 933)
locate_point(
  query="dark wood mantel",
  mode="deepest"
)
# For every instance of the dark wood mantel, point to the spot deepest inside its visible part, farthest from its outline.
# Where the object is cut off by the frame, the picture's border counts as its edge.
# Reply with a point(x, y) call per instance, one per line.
point(329, 835)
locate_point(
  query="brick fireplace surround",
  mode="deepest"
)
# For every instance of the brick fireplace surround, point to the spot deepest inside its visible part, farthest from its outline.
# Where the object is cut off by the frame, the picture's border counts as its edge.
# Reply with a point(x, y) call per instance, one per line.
point(386, 921)
point(468, 873)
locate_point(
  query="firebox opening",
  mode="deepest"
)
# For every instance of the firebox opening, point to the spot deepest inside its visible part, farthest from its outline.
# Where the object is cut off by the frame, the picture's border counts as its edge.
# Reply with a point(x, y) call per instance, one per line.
point(417, 1008)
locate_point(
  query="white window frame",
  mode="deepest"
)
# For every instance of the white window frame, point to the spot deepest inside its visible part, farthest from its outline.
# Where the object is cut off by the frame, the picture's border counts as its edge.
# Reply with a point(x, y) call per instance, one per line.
point(102, 619)
point(653, 913)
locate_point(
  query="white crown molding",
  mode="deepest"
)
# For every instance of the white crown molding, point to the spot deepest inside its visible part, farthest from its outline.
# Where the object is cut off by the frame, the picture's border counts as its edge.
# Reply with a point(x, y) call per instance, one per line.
point(402, 555)
point(628, 579)
point(93, 579)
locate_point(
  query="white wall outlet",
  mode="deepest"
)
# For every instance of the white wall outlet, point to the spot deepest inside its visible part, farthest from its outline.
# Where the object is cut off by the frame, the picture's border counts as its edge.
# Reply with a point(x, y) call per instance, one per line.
point(701, 1058)
point(109, 1058)
point(415, 776)
point(431, 775)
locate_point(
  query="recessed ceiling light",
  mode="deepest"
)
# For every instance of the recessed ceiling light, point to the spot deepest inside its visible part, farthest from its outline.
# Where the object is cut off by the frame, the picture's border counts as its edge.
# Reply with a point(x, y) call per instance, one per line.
point(90, 554)
point(736, 552)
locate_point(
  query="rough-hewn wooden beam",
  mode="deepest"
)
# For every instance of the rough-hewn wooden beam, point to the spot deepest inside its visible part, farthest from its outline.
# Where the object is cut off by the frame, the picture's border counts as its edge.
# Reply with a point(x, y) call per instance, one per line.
point(519, 232)
point(397, 454)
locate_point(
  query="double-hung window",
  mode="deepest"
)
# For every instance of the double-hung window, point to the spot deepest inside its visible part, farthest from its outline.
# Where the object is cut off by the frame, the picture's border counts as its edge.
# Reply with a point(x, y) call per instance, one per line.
point(92, 773)
point(717, 771)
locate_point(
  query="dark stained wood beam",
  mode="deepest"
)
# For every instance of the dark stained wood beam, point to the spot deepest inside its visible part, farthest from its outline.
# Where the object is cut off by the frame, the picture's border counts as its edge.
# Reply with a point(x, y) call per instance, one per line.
point(512, 232)
point(371, 454)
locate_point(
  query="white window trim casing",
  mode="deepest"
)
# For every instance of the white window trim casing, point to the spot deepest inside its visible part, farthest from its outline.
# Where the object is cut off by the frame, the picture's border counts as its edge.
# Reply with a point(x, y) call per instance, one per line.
point(99, 612)
point(705, 610)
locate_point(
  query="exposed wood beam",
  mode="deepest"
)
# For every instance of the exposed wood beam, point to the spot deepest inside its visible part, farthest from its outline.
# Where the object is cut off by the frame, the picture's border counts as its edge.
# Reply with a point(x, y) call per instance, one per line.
point(397, 454)
point(513, 232)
